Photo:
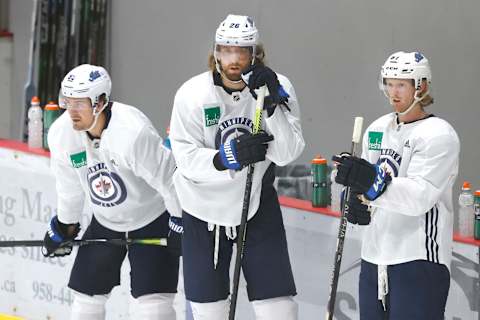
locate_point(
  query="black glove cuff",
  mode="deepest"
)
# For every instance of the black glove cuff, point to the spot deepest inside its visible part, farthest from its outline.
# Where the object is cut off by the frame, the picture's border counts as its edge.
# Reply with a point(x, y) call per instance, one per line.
point(217, 162)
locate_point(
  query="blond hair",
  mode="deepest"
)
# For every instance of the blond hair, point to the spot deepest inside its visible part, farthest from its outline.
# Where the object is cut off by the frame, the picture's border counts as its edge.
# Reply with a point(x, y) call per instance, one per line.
point(427, 100)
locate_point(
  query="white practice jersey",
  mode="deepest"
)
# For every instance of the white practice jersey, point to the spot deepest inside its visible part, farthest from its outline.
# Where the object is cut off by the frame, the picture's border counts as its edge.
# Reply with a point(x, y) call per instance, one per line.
point(413, 219)
point(204, 117)
point(126, 175)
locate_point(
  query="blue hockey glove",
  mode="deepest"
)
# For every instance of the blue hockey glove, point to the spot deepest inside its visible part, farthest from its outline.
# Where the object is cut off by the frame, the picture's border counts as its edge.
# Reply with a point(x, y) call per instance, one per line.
point(242, 151)
point(56, 242)
point(362, 176)
point(174, 243)
point(259, 75)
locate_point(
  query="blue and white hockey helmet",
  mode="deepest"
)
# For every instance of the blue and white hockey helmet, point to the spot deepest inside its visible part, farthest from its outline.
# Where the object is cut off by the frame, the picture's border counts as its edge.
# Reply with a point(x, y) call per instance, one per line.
point(86, 81)
point(237, 30)
point(406, 65)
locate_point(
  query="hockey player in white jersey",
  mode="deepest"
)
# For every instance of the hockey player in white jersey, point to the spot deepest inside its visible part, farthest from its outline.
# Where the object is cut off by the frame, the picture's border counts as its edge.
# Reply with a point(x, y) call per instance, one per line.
point(110, 155)
point(402, 191)
point(210, 133)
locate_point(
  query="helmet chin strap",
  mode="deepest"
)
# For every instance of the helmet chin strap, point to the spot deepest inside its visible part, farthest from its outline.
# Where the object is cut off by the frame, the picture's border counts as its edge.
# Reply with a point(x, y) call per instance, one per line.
point(95, 117)
point(415, 101)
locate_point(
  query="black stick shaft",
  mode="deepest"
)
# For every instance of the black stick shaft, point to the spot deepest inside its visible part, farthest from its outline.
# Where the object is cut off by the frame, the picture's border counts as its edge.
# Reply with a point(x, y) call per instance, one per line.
point(245, 208)
point(342, 231)
point(241, 242)
point(119, 242)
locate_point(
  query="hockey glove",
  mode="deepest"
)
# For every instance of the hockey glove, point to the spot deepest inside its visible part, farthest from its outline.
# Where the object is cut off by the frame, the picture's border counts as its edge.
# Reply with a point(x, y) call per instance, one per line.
point(174, 243)
point(362, 176)
point(257, 76)
point(56, 242)
point(242, 151)
point(357, 212)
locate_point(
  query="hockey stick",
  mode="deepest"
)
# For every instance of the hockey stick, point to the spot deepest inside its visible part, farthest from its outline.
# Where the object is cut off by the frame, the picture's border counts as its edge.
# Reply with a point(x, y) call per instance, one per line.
point(44, 49)
point(257, 123)
point(30, 89)
point(118, 242)
point(357, 133)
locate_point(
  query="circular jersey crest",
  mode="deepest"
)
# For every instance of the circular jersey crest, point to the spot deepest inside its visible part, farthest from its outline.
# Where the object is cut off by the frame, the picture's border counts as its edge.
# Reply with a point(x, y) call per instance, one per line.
point(232, 128)
point(390, 161)
point(106, 188)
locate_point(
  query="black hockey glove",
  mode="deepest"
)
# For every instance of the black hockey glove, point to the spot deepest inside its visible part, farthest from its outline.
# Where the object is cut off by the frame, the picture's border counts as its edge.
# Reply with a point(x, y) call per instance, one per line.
point(242, 151)
point(362, 176)
point(174, 241)
point(257, 76)
point(56, 242)
point(358, 212)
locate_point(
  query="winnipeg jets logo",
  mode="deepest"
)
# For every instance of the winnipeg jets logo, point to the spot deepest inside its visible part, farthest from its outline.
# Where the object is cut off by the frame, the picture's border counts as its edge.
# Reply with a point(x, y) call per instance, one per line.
point(103, 186)
point(231, 129)
point(94, 75)
point(390, 162)
point(106, 188)
point(418, 57)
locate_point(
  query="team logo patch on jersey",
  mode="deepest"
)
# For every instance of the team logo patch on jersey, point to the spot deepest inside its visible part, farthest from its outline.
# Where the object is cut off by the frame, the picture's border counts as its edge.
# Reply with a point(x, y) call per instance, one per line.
point(375, 140)
point(78, 159)
point(231, 129)
point(212, 116)
point(390, 161)
point(107, 189)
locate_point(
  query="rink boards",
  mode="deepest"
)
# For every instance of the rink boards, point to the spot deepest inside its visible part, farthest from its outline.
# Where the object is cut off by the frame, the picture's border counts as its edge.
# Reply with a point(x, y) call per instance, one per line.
point(34, 287)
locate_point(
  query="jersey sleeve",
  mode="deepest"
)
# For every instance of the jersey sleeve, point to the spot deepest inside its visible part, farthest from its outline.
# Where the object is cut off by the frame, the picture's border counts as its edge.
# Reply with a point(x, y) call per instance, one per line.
point(432, 168)
point(70, 194)
point(365, 145)
point(154, 163)
point(285, 126)
point(194, 160)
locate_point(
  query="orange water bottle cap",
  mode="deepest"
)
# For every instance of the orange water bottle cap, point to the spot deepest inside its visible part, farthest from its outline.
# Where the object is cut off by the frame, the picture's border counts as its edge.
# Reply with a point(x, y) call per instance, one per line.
point(319, 160)
point(477, 193)
point(35, 100)
point(52, 106)
point(466, 185)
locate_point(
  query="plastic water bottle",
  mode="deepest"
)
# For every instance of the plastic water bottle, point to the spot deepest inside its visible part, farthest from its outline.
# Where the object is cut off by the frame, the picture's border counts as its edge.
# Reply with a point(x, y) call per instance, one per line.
point(35, 127)
point(476, 232)
point(319, 182)
point(465, 211)
point(50, 114)
point(335, 191)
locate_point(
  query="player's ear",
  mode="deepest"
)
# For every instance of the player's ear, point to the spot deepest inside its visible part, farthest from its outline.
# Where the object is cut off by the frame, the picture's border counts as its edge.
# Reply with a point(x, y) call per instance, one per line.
point(99, 105)
point(423, 87)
